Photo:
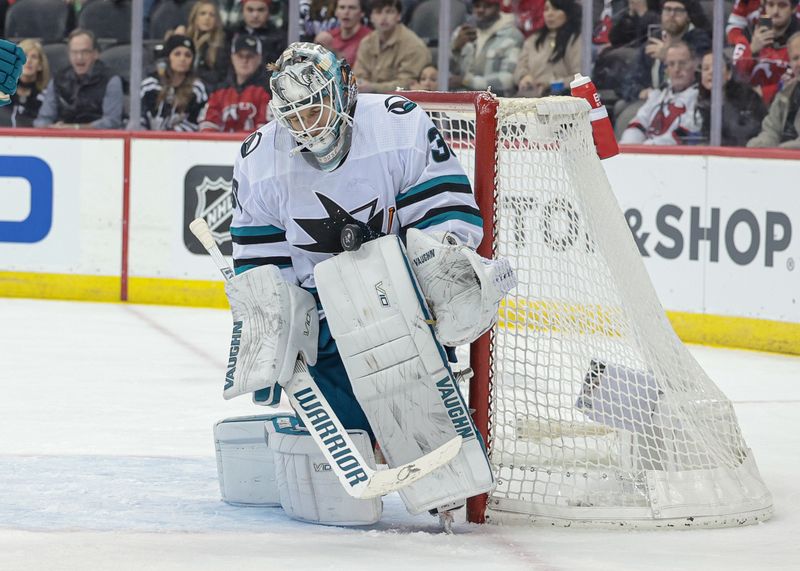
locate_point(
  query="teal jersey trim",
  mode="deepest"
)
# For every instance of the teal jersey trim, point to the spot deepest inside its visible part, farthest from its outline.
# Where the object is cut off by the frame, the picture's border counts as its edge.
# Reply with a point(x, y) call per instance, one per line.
point(469, 218)
point(447, 179)
point(255, 230)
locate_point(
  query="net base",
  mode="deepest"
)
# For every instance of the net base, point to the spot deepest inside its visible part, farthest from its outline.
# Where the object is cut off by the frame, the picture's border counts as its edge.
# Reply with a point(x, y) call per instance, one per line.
point(672, 500)
point(617, 520)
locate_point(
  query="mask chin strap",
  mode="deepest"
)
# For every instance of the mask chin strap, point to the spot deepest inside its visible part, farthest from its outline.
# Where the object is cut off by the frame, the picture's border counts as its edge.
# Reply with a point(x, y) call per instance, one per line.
point(305, 146)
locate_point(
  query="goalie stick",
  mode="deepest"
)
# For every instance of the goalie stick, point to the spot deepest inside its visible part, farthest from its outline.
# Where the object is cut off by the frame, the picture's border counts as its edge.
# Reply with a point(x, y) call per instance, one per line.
point(357, 478)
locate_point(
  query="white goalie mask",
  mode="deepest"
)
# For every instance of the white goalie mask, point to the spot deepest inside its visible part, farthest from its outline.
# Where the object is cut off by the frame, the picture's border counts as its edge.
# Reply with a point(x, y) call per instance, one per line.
point(313, 96)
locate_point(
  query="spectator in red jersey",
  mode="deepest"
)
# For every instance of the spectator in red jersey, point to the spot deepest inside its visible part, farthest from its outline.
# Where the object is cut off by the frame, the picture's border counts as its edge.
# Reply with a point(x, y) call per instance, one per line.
point(602, 29)
point(743, 18)
point(760, 57)
point(242, 104)
point(668, 115)
point(781, 126)
point(528, 14)
point(344, 40)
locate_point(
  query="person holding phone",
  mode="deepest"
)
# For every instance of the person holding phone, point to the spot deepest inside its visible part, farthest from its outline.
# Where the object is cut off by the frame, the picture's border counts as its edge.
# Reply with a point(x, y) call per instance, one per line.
point(633, 26)
point(485, 49)
point(761, 55)
point(681, 20)
point(741, 18)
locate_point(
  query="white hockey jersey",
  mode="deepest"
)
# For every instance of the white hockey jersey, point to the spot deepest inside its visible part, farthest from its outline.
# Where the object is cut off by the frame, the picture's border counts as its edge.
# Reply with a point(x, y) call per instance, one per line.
point(666, 118)
point(399, 174)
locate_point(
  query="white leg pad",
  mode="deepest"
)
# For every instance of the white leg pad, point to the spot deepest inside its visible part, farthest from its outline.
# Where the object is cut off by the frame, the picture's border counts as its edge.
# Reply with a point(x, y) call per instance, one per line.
point(309, 490)
point(399, 372)
point(244, 462)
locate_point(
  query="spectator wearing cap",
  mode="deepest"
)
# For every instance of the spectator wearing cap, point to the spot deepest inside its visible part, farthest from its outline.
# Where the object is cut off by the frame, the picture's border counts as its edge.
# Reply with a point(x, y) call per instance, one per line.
point(681, 21)
point(344, 40)
point(392, 56)
point(241, 105)
point(553, 54)
point(173, 98)
point(486, 54)
point(761, 55)
point(85, 95)
point(256, 22)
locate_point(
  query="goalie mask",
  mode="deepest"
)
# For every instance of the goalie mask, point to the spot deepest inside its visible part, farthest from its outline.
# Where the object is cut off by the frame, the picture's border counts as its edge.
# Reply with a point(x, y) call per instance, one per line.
point(313, 96)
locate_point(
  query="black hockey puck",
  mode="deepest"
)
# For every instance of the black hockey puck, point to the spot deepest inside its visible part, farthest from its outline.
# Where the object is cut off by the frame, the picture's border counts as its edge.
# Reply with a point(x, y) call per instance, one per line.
point(352, 237)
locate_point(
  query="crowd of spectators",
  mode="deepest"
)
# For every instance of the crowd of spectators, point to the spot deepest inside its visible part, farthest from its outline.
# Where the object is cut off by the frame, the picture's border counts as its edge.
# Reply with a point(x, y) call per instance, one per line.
point(206, 61)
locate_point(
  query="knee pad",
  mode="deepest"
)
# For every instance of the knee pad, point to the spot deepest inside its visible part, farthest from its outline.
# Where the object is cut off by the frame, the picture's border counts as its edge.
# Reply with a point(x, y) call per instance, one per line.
point(245, 464)
point(309, 489)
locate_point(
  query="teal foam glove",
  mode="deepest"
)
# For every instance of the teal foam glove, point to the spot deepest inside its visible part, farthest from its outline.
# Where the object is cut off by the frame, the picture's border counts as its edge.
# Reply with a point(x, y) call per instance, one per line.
point(12, 58)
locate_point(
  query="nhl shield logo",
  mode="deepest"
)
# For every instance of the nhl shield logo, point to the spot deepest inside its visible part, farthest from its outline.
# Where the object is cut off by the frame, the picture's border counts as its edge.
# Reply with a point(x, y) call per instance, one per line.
point(208, 194)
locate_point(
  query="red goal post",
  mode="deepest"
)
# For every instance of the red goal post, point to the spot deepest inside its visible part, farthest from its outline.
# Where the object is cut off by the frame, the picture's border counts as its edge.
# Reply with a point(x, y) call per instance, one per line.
point(481, 107)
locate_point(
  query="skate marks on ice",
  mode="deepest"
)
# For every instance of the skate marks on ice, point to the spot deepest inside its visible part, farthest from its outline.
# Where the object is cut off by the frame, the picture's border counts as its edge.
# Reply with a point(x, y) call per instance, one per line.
point(150, 494)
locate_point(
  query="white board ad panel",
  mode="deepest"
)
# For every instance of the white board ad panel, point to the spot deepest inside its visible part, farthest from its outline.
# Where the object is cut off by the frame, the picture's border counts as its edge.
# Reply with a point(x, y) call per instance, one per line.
point(173, 182)
point(660, 196)
point(754, 212)
point(62, 205)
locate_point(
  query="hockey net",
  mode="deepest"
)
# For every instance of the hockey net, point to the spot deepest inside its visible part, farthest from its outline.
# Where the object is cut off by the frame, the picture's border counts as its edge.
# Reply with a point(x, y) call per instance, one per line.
point(594, 411)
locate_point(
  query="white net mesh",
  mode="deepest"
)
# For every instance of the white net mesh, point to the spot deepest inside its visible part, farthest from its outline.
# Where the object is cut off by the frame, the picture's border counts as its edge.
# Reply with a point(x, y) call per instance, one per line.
point(599, 415)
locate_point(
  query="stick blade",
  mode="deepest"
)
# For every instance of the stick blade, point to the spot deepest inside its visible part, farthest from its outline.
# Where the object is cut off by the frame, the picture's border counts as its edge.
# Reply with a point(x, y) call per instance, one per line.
point(383, 482)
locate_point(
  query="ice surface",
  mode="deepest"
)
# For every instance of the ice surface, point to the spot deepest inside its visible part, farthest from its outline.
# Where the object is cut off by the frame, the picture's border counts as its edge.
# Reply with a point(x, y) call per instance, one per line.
point(107, 462)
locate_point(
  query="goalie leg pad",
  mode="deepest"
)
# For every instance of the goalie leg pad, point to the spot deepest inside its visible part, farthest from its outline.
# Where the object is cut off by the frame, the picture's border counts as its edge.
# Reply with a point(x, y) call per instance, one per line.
point(399, 372)
point(244, 462)
point(309, 489)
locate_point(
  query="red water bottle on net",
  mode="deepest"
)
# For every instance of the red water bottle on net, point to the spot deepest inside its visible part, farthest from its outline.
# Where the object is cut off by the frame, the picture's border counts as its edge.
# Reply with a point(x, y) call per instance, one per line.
point(602, 131)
